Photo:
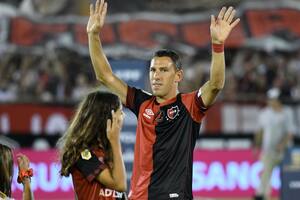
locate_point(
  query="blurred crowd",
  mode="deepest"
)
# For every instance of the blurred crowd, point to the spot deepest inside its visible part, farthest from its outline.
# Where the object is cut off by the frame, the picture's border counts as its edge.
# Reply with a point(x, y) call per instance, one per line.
point(250, 73)
point(63, 75)
point(51, 77)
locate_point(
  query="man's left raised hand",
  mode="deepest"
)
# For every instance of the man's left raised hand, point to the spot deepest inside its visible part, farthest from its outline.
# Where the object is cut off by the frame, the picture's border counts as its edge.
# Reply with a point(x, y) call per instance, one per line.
point(221, 27)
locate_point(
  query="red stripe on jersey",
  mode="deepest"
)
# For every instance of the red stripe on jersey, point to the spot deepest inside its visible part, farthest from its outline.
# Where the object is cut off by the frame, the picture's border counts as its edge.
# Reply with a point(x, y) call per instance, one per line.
point(143, 152)
point(194, 105)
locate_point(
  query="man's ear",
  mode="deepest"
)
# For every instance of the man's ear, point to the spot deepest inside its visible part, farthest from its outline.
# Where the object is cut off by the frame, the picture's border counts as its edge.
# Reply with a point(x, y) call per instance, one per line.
point(179, 76)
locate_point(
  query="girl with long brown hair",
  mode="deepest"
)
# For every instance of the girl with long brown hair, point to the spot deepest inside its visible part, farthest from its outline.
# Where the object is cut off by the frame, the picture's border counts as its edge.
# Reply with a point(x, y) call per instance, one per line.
point(90, 150)
point(6, 173)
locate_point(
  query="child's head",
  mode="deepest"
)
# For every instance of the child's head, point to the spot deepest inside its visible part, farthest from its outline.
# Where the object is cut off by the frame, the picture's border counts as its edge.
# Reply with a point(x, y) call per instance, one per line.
point(6, 169)
point(88, 127)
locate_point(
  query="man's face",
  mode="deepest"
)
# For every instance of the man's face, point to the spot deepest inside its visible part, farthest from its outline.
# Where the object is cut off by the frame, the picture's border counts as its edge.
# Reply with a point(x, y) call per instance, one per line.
point(163, 77)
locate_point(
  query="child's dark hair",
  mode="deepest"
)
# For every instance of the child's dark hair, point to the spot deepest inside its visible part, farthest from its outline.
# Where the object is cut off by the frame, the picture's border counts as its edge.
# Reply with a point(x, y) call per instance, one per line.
point(88, 128)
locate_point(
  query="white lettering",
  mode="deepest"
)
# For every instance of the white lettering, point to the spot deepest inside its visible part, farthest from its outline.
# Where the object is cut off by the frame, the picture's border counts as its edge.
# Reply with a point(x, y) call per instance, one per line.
point(237, 175)
point(110, 193)
point(294, 184)
point(173, 195)
point(206, 177)
point(230, 176)
point(199, 178)
point(147, 116)
point(4, 123)
point(48, 179)
point(36, 124)
point(56, 123)
point(216, 176)
point(255, 170)
point(66, 184)
point(102, 192)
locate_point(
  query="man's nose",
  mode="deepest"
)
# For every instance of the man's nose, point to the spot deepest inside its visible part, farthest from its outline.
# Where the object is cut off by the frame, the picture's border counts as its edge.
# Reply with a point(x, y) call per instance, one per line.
point(156, 75)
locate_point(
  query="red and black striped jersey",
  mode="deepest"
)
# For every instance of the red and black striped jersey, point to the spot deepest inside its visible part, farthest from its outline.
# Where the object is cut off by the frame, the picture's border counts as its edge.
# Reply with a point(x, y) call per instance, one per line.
point(84, 173)
point(165, 139)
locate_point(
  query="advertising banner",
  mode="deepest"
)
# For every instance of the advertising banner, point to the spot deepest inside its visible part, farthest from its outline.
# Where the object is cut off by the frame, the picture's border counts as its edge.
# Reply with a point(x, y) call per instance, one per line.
point(216, 173)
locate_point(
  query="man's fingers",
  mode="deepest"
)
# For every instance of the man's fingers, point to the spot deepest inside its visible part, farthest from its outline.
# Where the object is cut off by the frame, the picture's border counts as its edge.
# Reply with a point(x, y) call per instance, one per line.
point(97, 6)
point(235, 23)
point(101, 6)
point(104, 8)
point(221, 14)
point(231, 16)
point(228, 13)
point(212, 20)
point(91, 9)
point(103, 14)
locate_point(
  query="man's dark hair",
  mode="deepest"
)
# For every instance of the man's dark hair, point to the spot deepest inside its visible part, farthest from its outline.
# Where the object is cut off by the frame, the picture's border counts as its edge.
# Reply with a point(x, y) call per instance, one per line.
point(171, 54)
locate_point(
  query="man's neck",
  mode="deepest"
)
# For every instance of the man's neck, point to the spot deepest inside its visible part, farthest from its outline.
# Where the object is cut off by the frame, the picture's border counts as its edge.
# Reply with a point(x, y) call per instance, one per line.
point(166, 98)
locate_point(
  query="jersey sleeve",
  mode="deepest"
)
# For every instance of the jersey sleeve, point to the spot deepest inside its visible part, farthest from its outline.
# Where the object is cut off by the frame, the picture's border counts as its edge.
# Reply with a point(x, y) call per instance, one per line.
point(194, 104)
point(92, 167)
point(135, 98)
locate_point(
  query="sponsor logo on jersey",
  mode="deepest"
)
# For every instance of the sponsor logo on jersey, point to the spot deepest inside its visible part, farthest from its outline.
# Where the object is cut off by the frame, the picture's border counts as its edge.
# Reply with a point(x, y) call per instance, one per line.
point(147, 116)
point(110, 193)
point(173, 195)
point(148, 113)
point(173, 112)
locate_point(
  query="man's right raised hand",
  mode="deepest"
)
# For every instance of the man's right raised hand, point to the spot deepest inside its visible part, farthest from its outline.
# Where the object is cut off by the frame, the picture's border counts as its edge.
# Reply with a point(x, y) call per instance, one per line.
point(97, 17)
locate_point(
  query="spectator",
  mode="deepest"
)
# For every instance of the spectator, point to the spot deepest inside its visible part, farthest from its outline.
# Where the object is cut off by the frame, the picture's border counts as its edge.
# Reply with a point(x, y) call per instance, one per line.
point(275, 130)
point(6, 173)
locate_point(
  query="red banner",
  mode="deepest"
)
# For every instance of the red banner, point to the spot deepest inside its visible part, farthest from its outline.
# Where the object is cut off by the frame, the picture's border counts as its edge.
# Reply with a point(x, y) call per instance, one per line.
point(145, 30)
point(34, 118)
point(37, 119)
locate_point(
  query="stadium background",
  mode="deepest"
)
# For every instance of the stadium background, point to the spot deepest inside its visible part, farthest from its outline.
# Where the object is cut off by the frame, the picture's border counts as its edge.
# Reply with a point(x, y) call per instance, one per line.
point(45, 70)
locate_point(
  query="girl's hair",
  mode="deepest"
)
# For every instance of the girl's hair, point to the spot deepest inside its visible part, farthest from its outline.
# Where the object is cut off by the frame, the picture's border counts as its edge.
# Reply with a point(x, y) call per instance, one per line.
point(88, 129)
point(6, 169)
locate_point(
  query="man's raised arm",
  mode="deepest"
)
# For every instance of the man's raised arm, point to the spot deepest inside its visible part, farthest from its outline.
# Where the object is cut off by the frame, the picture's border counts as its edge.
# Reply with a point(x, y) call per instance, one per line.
point(100, 63)
point(220, 29)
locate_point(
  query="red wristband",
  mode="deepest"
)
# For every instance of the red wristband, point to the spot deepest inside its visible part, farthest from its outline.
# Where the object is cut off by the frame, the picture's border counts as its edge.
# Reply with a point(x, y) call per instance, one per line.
point(218, 48)
point(24, 174)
